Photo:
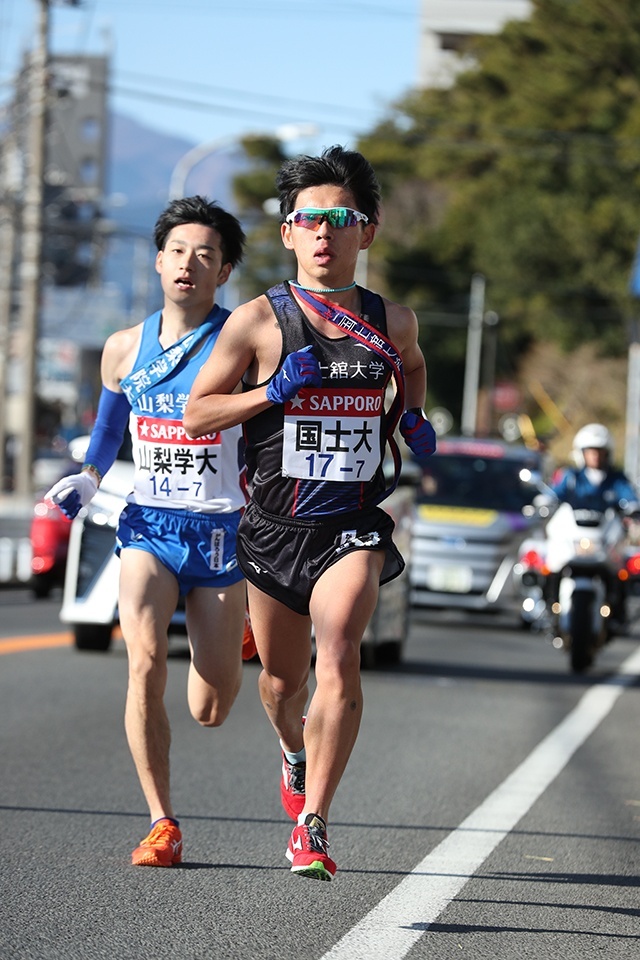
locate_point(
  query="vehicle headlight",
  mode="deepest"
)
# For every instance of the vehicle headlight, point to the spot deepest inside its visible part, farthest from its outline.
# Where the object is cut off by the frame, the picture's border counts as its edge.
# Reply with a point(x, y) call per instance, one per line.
point(101, 517)
point(585, 546)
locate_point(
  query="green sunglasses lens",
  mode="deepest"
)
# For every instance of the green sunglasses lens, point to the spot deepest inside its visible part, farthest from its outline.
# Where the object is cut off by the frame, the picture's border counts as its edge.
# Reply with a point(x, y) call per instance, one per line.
point(340, 217)
point(336, 217)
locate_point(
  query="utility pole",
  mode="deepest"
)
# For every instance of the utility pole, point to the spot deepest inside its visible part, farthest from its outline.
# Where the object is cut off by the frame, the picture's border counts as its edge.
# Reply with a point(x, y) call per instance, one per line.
point(632, 432)
point(9, 185)
point(474, 351)
point(632, 444)
point(488, 373)
point(31, 251)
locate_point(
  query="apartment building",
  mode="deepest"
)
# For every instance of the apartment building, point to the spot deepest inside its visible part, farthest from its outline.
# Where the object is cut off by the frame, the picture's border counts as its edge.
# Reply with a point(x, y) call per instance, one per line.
point(447, 24)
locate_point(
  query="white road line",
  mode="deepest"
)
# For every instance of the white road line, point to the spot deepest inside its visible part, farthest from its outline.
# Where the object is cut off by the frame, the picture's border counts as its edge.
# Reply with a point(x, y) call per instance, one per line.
point(390, 930)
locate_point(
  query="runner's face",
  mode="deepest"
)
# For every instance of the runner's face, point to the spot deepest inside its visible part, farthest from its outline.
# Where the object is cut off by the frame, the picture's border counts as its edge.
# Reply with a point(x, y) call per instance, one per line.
point(327, 256)
point(190, 265)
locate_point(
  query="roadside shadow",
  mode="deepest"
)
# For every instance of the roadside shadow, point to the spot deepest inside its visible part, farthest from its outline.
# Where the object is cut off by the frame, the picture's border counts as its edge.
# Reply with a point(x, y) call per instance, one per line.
point(438, 830)
point(439, 669)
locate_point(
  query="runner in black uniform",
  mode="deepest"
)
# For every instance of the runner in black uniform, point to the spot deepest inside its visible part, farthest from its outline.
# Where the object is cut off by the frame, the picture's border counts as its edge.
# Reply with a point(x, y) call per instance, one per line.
point(315, 357)
point(282, 535)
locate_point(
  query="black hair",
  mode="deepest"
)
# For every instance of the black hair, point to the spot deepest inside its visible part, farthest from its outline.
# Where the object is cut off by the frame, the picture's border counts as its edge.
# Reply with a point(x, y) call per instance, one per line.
point(209, 213)
point(336, 166)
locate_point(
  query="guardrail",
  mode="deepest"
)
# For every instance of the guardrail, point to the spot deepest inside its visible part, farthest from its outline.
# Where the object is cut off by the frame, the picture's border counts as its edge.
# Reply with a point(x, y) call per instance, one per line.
point(15, 546)
point(15, 560)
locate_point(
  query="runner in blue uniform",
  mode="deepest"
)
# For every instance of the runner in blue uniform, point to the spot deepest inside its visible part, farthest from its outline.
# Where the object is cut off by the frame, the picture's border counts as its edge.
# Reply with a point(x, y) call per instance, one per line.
point(316, 356)
point(177, 534)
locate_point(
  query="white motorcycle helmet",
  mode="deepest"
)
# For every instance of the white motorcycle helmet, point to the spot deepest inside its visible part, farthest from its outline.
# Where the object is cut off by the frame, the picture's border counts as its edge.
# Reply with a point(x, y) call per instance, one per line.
point(593, 435)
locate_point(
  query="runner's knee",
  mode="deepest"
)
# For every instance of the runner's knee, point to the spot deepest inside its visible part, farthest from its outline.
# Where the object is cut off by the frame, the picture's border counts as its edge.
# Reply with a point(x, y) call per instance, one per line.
point(338, 665)
point(211, 712)
point(281, 689)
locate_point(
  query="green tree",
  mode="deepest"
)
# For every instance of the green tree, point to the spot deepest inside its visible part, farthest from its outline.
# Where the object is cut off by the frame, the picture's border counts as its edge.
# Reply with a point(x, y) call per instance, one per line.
point(526, 170)
point(266, 261)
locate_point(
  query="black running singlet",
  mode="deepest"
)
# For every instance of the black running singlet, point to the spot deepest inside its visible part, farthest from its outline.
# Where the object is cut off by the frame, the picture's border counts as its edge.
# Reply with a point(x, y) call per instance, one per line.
point(321, 453)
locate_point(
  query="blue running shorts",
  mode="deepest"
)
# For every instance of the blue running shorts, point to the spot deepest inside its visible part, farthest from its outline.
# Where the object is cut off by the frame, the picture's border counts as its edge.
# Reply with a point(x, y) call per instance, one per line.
point(199, 549)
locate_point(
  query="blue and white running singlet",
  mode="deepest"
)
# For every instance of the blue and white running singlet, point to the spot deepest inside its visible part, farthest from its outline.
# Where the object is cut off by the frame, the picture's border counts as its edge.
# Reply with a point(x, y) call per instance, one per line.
point(173, 470)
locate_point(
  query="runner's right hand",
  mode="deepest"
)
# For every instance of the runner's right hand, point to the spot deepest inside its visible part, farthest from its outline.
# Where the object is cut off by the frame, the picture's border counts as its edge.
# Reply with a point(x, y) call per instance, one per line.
point(300, 369)
point(72, 493)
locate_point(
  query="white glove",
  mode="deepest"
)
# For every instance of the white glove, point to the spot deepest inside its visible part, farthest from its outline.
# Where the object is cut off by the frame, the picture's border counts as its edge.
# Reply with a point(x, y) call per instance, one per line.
point(74, 492)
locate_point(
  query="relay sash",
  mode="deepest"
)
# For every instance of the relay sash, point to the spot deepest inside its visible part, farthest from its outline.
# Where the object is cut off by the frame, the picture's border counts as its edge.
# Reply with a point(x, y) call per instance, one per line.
point(364, 333)
point(160, 366)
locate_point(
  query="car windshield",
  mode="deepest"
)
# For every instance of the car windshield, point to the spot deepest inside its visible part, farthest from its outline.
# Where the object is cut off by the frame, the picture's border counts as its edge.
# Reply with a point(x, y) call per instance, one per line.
point(468, 481)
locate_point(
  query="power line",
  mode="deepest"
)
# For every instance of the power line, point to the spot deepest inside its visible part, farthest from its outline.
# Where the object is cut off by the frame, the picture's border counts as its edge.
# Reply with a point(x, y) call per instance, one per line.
point(341, 8)
point(209, 107)
point(230, 92)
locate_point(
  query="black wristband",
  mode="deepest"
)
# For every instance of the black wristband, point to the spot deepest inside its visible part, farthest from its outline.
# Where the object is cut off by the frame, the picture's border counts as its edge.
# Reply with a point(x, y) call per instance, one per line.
point(419, 412)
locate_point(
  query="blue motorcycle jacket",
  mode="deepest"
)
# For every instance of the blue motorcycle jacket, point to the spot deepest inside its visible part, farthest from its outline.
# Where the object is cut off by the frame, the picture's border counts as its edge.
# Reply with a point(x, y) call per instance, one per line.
point(616, 490)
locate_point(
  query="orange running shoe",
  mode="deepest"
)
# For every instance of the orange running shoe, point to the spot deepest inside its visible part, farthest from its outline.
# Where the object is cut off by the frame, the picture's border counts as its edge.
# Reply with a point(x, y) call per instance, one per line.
point(162, 848)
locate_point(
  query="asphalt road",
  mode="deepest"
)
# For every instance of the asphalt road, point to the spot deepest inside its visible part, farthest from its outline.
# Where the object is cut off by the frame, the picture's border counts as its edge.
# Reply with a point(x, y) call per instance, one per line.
point(491, 809)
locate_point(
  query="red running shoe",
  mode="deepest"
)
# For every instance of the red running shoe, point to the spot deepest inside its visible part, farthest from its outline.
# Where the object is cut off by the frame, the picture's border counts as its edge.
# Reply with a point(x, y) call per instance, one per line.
point(162, 848)
point(307, 850)
point(292, 787)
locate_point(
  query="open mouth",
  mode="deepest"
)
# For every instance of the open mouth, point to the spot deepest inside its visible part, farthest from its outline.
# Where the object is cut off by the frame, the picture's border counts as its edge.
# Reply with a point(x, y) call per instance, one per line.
point(184, 283)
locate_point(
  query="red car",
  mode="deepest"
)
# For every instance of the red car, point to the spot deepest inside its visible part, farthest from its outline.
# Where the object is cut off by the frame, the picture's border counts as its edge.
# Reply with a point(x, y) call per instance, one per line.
point(49, 535)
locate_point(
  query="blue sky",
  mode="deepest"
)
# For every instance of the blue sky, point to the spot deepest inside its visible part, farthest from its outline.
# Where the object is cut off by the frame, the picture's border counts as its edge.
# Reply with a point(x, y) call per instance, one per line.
point(208, 69)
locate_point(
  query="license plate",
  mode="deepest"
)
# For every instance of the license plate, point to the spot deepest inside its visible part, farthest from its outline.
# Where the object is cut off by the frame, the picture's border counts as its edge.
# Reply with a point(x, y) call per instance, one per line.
point(451, 579)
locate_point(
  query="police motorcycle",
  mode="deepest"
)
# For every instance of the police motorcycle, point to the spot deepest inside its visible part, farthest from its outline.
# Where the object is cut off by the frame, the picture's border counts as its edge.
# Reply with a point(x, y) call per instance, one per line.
point(574, 579)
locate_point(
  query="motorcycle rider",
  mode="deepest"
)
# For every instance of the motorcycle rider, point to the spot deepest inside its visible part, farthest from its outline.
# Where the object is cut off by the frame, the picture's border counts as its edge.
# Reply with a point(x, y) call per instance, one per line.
point(596, 484)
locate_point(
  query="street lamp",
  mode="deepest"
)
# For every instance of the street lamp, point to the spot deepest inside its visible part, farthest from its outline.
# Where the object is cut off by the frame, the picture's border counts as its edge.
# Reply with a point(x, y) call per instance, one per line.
point(186, 163)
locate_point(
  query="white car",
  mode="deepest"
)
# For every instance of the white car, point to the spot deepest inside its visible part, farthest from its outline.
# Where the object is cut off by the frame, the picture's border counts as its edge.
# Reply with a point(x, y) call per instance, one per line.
point(90, 595)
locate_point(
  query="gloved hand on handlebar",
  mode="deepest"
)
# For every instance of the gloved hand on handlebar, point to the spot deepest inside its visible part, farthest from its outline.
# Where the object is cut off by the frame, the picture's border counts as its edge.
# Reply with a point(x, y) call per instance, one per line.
point(74, 492)
point(418, 432)
point(300, 369)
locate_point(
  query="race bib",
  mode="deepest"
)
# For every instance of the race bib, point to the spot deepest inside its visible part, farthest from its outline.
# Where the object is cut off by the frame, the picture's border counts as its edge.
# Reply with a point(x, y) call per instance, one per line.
point(332, 434)
point(170, 465)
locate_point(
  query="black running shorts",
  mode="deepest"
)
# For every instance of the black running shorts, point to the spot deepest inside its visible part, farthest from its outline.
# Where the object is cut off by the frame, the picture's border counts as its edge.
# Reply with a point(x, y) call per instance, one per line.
point(285, 557)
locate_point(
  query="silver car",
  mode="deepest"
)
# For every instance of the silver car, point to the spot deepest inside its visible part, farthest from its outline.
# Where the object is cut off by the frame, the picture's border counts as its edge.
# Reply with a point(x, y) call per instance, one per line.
point(473, 510)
